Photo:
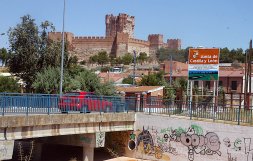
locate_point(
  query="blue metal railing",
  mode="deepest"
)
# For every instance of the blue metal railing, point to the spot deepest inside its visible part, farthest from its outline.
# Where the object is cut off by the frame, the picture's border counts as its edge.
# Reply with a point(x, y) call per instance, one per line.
point(16, 103)
point(26, 104)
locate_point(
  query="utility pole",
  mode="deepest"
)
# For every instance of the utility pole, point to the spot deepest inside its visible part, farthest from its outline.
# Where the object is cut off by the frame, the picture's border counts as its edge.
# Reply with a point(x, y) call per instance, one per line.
point(247, 82)
point(250, 71)
point(62, 49)
point(134, 68)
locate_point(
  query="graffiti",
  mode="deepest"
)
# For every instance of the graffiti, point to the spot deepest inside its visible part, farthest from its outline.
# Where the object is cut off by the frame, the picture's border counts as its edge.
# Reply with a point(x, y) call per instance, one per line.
point(198, 130)
point(230, 158)
point(236, 145)
point(199, 144)
point(248, 150)
point(100, 139)
point(147, 140)
point(168, 148)
point(158, 152)
point(175, 134)
point(131, 142)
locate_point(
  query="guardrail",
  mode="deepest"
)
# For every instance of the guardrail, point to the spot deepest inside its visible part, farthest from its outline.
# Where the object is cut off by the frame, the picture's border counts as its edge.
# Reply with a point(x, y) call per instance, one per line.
point(16, 103)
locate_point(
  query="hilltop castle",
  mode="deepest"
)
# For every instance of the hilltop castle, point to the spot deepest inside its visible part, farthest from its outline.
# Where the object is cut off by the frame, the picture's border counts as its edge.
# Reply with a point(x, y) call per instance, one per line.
point(119, 40)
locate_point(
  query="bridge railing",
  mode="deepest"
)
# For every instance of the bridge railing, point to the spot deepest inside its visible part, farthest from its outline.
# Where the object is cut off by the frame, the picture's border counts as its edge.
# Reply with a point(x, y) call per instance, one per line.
point(16, 103)
point(198, 110)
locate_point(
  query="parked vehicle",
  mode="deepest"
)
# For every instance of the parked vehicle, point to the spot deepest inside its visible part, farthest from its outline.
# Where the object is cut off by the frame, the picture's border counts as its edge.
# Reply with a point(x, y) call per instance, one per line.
point(83, 102)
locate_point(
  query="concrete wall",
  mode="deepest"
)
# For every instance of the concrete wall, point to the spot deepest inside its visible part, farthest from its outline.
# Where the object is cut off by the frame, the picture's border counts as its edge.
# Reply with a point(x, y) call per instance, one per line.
point(175, 139)
point(22, 127)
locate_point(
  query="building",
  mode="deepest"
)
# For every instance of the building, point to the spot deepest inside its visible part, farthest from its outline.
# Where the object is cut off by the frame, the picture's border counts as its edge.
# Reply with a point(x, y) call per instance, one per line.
point(230, 78)
point(118, 40)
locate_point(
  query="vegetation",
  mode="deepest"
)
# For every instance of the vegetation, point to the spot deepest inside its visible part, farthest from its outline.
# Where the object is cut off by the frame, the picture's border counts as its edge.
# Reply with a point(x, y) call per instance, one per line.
point(4, 56)
point(47, 81)
point(8, 84)
point(127, 59)
point(143, 57)
point(128, 80)
point(177, 55)
point(232, 56)
point(226, 55)
point(32, 51)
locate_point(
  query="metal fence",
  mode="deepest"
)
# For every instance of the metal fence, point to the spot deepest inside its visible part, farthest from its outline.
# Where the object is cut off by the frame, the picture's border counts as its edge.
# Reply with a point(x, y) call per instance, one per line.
point(20, 104)
point(16, 103)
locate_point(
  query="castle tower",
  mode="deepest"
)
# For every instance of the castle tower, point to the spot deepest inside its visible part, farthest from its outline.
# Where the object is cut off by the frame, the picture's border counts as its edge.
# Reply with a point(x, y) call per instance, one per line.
point(122, 23)
point(156, 40)
point(174, 44)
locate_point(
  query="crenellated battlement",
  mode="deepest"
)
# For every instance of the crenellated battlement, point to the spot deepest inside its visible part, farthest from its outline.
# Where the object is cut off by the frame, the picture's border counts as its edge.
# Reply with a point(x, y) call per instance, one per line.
point(174, 40)
point(155, 35)
point(90, 37)
point(131, 40)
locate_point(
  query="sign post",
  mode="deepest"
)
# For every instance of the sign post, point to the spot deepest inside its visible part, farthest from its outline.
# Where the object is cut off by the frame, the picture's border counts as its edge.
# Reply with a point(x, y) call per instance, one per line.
point(203, 65)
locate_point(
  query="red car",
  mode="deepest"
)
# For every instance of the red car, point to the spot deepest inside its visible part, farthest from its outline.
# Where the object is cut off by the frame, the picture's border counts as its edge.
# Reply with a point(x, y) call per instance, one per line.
point(83, 102)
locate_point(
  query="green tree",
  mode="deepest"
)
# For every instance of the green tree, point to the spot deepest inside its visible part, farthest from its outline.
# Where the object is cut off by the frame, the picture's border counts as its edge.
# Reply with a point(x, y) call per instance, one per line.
point(93, 59)
point(3, 56)
point(142, 57)
point(128, 80)
point(177, 55)
point(127, 59)
point(89, 81)
point(154, 79)
point(230, 56)
point(102, 58)
point(24, 41)
point(32, 51)
point(8, 85)
point(47, 81)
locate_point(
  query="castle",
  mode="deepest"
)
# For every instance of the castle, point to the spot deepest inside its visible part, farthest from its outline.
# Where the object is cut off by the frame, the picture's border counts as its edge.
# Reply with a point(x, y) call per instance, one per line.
point(119, 40)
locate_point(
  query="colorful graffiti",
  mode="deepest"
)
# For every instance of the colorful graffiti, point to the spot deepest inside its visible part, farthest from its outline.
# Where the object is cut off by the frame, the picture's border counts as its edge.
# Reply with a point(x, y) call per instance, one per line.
point(199, 144)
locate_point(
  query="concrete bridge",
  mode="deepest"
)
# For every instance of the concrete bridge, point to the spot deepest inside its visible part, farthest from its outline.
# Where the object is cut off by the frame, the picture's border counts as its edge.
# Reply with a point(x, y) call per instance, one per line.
point(70, 129)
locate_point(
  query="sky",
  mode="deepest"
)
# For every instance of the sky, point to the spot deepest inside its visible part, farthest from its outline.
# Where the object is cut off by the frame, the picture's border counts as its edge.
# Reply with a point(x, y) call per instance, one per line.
point(208, 23)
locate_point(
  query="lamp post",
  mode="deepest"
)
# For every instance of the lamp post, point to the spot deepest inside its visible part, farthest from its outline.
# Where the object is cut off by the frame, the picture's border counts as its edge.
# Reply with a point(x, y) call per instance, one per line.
point(62, 52)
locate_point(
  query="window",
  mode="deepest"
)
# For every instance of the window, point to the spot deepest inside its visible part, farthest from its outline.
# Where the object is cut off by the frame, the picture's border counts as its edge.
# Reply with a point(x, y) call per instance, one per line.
point(234, 85)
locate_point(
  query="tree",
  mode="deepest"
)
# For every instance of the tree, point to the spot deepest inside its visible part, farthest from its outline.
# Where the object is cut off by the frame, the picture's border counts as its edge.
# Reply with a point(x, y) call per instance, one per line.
point(47, 81)
point(177, 55)
point(142, 57)
point(128, 80)
point(32, 51)
point(3, 56)
point(127, 59)
point(89, 81)
point(8, 85)
point(93, 59)
point(154, 79)
point(102, 58)
point(24, 42)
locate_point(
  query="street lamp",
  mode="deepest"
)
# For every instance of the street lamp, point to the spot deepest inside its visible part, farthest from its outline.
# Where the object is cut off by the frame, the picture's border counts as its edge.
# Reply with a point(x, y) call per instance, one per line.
point(62, 49)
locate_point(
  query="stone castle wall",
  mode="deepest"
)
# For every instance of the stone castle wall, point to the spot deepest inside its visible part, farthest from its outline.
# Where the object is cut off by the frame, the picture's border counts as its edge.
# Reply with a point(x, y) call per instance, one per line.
point(119, 40)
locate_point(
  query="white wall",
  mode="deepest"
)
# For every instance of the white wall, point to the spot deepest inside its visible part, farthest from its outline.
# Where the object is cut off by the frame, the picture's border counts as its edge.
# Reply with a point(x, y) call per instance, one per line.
point(207, 141)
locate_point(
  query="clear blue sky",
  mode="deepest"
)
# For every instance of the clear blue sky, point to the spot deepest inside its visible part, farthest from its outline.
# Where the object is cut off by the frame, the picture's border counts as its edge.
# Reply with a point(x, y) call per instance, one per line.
point(209, 23)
